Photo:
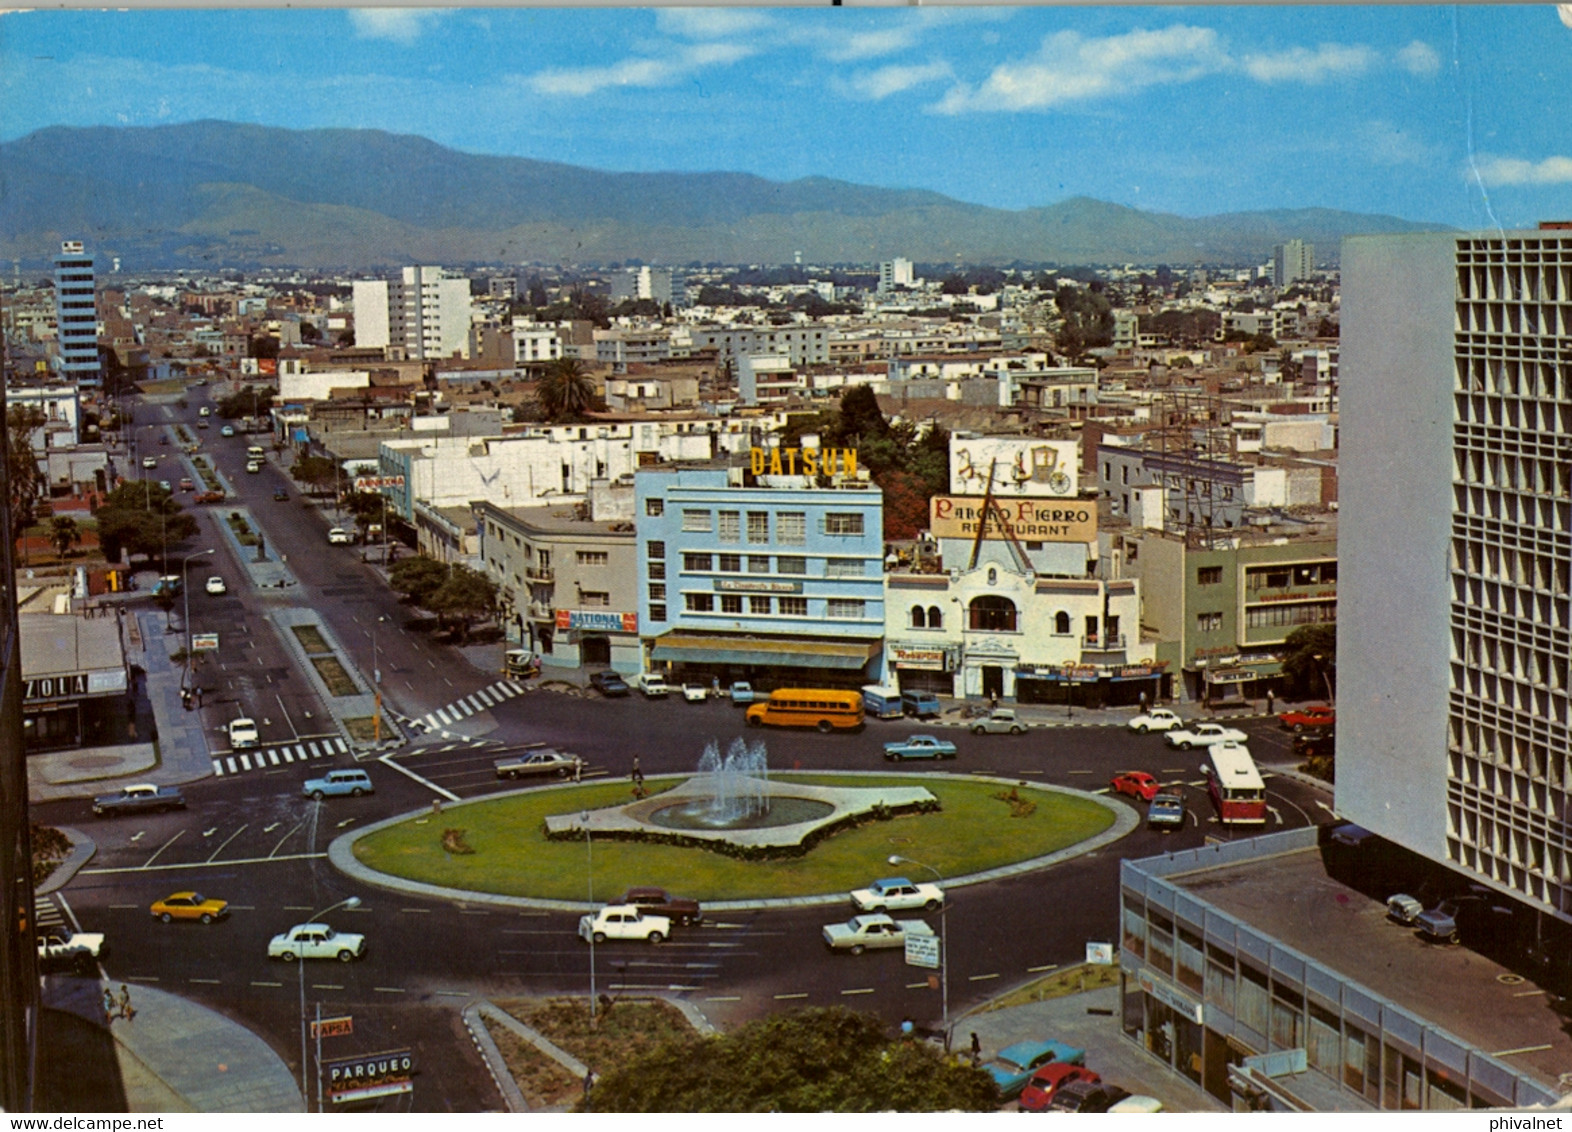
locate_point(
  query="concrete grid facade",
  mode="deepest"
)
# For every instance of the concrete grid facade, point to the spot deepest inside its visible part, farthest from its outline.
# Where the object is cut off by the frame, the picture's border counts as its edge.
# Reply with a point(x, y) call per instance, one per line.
point(76, 315)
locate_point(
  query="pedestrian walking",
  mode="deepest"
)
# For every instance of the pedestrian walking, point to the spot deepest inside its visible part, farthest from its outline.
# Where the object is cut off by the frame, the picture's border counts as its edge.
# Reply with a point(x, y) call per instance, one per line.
point(578, 770)
point(126, 1010)
point(908, 1028)
point(110, 1010)
point(1143, 703)
point(637, 776)
point(715, 686)
point(1269, 701)
point(976, 1049)
point(589, 1083)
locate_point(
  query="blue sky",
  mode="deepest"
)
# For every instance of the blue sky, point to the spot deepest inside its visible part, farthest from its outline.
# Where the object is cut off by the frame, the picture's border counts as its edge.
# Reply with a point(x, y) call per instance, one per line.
point(1460, 115)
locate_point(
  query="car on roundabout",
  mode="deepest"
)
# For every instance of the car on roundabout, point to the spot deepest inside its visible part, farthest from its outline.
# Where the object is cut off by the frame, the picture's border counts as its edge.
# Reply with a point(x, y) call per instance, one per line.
point(1012, 1067)
point(897, 894)
point(336, 783)
point(658, 902)
point(1136, 783)
point(919, 747)
point(538, 763)
point(316, 941)
point(1203, 735)
point(623, 921)
point(1158, 719)
point(227, 430)
point(1165, 811)
point(999, 721)
point(872, 931)
point(190, 906)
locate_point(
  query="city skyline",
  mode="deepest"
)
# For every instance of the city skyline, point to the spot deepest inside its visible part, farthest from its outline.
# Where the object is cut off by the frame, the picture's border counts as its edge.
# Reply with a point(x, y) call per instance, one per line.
point(1432, 114)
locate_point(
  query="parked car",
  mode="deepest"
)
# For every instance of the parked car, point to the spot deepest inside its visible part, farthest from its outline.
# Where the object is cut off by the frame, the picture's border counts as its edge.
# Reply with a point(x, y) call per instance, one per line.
point(338, 536)
point(59, 947)
point(608, 683)
point(1404, 909)
point(1313, 715)
point(919, 747)
point(1000, 721)
point(1039, 1090)
point(1137, 1102)
point(920, 704)
point(1165, 811)
point(694, 692)
point(1087, 1096)
point(1014, 1065)
point(1158, 719)
point(740, 692)
point(1136, 783)
point(243, 733)
point(876, 930)
point(170, 584)
point(338, 782)
point(653, 685)
point(190, 906)
point(1308, 745)
point(215, 585)
point(144, 797)
point(658, 902)
point(897, 893)
point(534, 764)
point(520, 664)
point(227, 430)
point(316, 941)
point(623, 921)
point(1203, 735)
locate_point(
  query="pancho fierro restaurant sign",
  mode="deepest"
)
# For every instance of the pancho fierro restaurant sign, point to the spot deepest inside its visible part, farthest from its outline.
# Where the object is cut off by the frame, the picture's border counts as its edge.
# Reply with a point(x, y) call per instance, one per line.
point(1030, 520)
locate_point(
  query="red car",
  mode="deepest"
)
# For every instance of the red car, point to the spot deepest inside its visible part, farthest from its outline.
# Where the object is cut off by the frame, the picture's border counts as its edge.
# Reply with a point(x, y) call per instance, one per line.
point(1039, 1091)
point(1136, 783)
point(1316, 715)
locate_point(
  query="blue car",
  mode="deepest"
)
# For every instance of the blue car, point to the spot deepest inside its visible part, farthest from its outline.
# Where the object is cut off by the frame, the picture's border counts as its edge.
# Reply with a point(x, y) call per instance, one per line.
point(1014, 1065)
point(351, 782)
point(920, 747)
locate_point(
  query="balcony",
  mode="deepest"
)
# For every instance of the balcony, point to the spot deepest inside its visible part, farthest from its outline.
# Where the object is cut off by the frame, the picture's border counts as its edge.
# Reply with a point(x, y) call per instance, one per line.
point(1115, 643)
point(540, 573)
point(541, 611)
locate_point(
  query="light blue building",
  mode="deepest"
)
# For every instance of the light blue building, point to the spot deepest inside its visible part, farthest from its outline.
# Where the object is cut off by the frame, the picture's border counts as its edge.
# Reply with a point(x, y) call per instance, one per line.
point(76, 316)
point(778, 583)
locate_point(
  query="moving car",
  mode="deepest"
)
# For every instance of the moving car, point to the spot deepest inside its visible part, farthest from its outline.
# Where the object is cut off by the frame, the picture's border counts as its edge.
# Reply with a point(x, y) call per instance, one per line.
point(1166, 811)
point(204, 411)
point(190, 906)
point(1203, 735)
point(243, 733)
point(877, 930)
point(653, 685)
point(520, 663)
point(920, 747)
point(1014, 1065)
point(316, 941)
point(143, 797)
point(253, 466)
point(740, 692)
point(623, 921)
point(227, 430)
point(694, 692)
point(658, 902)
point(209, 497)
point(280, 495)
point(338, 536)
point(530, 764)
point(150, 461)
point(1039, 1091)
point(999, 721)
point(897, 893)
point(608, 683)
point(338, 782)
point(186, 484)
point(215, 585)
point(165, 485)
point(203, 425)
point(59, 946)
point(1312, 715)
point(1136, 783)
point(1158, 719)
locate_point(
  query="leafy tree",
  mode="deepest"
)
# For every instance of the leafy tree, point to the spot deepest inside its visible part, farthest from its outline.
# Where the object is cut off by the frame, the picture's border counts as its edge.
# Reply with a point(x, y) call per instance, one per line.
point(1310, 662)
point(25, 482)
point(465, 596)
point(954, 285)
point(860, 417)
point(418, 577)
point(1326, 329)
point(309, 332)
point(565, 392)
point(316, 472)
point(827, 1060)
point(249, 402)
point(140, 517)
point(64, 534)
point(535, 292)
point(367, 506)
point(1087, 319)
point(263, 346)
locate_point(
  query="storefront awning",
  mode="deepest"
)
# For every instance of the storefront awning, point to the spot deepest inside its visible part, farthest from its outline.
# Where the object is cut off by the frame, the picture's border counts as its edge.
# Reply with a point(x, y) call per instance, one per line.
point(683, 649)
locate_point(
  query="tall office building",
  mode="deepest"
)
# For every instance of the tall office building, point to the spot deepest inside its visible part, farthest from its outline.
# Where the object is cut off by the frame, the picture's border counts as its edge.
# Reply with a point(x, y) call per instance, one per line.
point(1455, 632)
point(661, 284)
point(895, 273)
point(425, 312)
point(76, 315)
point(1291, 262)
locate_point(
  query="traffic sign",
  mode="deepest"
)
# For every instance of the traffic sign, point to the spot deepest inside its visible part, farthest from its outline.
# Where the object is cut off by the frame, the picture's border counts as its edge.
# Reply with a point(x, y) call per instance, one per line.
point(922, 951)
point(204, 642)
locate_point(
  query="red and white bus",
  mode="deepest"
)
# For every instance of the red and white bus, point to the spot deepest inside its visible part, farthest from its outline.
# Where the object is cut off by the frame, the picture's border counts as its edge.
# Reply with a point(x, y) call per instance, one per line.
point(1238, 793)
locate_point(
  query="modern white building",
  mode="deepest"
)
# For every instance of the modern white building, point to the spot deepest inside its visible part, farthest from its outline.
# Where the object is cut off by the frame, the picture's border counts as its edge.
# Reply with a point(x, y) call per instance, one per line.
point(76, 315)
point(425, 313)
point(895, 273)
point(659, 284)
point(1291, 262)
point(765, 379)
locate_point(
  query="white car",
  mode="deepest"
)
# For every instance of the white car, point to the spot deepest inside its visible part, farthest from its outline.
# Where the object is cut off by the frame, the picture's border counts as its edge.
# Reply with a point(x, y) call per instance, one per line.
point(338, 536)
point(623, 921)
point(204, 411)
point(215, 585)
point(227, 430)
point(242, 733)
point(150, 461)
point(316, 941)
point(654, 686)
point(1158, 719)
point(253, 466)
point(695, 693)
point(893, 894)
point(860, 933)
point(1203, 735)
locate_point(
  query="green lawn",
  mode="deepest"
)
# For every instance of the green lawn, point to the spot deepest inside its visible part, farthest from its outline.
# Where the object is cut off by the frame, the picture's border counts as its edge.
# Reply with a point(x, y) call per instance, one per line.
point(973, 831)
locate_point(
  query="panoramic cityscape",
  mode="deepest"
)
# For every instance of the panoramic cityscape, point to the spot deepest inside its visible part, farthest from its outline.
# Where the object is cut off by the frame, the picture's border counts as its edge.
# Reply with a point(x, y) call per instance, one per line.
point(743, 560)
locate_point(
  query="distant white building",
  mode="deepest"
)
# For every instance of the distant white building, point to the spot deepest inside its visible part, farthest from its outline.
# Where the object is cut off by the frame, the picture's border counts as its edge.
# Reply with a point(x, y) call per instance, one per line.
point(425, 312)
point(895, 273)
point(1291, 262)
point(656, 283)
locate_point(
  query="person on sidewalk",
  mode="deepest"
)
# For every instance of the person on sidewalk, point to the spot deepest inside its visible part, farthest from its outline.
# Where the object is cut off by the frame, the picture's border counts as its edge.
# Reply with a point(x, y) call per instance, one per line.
point(127, 1011)
point(1269, 701)
point(110, 1009)
point(976, 1049)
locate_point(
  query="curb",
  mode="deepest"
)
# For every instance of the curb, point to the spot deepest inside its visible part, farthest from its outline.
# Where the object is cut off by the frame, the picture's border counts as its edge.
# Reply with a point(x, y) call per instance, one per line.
point(83, 848)
point(512, 1096)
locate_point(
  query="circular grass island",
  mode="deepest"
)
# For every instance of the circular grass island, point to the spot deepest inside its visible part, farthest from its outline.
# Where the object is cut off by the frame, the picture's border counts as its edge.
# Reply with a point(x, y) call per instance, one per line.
point(498, 846)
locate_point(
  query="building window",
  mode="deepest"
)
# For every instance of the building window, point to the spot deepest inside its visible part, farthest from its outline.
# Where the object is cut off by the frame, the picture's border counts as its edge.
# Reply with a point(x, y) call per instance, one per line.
point(729, 563)
point(657, 613)
point(992, 613)
point(843, 523)
point(594, 599)
point(1061, 623)
point(657, 570)
point(845, 609)
point(844, 568)
point(696, 562)
point(694, 520)
point(654, 508)
point(758, 563)
point(592, 557)
point(791, 564)
point(1208, 622)
point(935, 618)
point(760, 604)
point(758, 526)
point(791, 528)
point(730, 527)
point(1209, 576)
point(794, 607)
point(731, 603)
point(656, 549)
point(700, 603)
point(658, 591)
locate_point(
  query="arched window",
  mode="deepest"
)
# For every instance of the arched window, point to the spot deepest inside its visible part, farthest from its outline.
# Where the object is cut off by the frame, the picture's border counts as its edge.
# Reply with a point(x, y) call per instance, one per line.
point(918, 620)
point(935, 618)
point(1061, 623)
point(991, 612)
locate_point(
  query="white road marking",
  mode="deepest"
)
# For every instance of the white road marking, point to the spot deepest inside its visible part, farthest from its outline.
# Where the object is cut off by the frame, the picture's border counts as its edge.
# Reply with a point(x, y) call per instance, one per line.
point(210, 982)
point(228, 839)
point(346, 821)
point(286, 837)
point(161, 848)
point(260, 984)
point(981, 978)
point(270, 828)
point(859, 990)
point(151, 868)
point(725, 998)
point(389, 990)
point(210, 832)
point(138, 835)
point(1044, 967)
point(779, 997)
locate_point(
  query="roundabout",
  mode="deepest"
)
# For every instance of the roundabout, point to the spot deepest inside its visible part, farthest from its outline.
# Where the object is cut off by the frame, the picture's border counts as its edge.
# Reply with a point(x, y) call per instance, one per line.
point(495, 850)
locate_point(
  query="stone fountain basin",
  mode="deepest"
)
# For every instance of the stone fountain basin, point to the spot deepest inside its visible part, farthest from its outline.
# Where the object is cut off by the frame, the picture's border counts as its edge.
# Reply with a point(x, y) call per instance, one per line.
point(635, 817)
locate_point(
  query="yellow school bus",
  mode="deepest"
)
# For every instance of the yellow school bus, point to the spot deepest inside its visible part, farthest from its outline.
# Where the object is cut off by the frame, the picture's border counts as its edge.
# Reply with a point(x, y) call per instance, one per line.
point(828, 709)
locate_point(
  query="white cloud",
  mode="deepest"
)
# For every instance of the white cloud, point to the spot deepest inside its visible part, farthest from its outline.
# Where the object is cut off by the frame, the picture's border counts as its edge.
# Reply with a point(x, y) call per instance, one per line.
point(646, 72)
point(1515, 171)
point(709, 23)
point(1386, 144)
point(872, 44)
point(1300, 64)
point(401, 25)
point(1419, 58)
point(1070, 68)
point(893, 79)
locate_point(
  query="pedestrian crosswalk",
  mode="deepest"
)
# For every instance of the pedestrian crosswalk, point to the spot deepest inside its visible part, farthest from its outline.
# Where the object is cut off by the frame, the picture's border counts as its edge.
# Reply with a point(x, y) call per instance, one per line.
point(237, 762)
point(47, 914)
point(466, 706)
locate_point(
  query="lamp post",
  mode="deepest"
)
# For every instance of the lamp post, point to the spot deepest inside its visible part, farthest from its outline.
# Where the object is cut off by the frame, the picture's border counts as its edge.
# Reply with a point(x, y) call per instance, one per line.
point(944, 942)
point(305, 1095)
point(376, 681)
point(589, 865)
point(1320, 665)
point(185, 588)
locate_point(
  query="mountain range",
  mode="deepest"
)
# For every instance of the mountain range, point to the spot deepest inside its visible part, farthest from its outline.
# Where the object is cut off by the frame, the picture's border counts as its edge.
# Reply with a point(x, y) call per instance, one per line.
point(221, 194)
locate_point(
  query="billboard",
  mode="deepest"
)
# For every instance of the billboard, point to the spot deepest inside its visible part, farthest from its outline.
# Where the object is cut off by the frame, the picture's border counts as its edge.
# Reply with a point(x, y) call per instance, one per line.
point(951, 516)
point(597, 620)
point(369, 1076)
point(377, 483)
point(1021, 466)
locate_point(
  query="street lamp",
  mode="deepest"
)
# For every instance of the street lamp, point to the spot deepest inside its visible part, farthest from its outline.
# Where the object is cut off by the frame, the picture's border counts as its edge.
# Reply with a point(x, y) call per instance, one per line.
point(1320, 665)
point(185, 588)
point(589, 864)
point(305, 1095)
point(944, 942)
point(376, 681)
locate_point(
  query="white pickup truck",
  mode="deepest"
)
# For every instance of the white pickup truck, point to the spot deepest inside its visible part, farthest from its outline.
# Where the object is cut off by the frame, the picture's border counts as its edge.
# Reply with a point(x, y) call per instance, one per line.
point(61, 947)
point(623, 921)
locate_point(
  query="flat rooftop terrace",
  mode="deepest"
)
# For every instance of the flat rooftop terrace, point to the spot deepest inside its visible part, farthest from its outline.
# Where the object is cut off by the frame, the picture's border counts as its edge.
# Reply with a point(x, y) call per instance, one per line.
point(1290, 897)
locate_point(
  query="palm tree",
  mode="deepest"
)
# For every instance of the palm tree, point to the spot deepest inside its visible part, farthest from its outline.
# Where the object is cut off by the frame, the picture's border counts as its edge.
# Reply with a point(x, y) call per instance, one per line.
point(64, 533)
point(565, 392)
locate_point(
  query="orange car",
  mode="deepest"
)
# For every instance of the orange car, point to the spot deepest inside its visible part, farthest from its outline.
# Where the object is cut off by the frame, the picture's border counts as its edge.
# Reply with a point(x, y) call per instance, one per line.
point(190, 906)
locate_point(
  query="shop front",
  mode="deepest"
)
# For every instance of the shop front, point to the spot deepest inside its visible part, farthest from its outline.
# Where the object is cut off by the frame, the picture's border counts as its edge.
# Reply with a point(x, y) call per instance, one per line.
point(923, 667)
point(1093, 686)
point(75, 683)
point(764, 662)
